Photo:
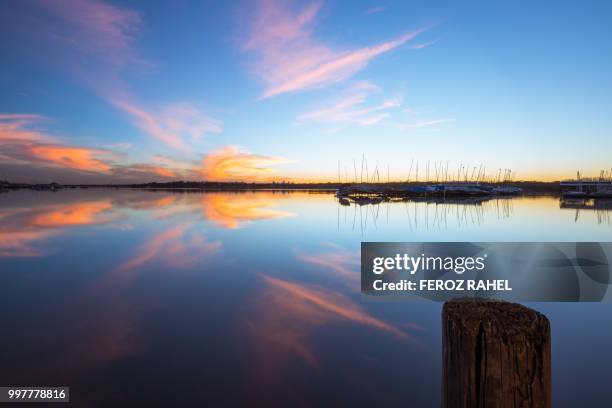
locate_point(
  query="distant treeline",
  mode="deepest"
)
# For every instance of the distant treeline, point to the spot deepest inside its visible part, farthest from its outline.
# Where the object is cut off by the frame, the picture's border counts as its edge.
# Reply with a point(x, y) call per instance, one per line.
point(534, 187)
point(177, 185)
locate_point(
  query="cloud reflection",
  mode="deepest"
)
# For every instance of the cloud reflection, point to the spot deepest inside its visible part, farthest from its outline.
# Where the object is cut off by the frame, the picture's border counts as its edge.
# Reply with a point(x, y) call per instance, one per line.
point(233, 210)
point(345, 263)
point(21, 229)
point(288, 314)
point(327, 305)
point(14, 243)
point(175, 247)
point(113, 330)
point(84, 213)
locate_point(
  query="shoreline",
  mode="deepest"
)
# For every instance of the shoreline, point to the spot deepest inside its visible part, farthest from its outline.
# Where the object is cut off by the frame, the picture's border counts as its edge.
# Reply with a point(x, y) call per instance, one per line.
point(528, 187)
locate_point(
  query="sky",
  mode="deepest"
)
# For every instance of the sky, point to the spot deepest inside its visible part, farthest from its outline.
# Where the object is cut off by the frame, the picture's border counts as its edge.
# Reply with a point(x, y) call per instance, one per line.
point(99, 91)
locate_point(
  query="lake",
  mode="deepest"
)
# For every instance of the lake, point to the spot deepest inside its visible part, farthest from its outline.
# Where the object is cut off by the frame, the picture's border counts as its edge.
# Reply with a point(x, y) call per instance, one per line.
point(225, 299)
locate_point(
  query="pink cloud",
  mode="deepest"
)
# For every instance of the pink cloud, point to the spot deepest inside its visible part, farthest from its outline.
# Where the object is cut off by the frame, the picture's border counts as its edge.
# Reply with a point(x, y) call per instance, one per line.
point(344, 263)
point(290, 59)
point(284, 319)
point(420, 46)
point(374, 10)
point(16, 127)
point(96, 28)
point(175, 125)
point(351, 108)
point(177, 247)
point(424, 123)
point(97, 46)
point(330, 305)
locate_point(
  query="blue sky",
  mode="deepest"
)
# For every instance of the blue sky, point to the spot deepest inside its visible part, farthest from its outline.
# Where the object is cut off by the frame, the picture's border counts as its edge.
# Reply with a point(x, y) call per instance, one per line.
point(139, 91)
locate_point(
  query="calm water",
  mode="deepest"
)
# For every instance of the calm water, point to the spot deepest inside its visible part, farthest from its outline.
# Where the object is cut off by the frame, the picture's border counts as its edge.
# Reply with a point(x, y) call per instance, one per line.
point(242, 298)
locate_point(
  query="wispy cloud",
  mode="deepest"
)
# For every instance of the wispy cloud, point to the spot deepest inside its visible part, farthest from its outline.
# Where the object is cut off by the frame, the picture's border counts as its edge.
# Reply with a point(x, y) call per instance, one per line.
point(95, 27)
point(344, 263)
point(420, 46)
point(374, 10)
point(290, 59)
point(23, 229)
point(351, 108)
point(178, 247)
point(22, 144)
point(424, 124)
point(284, 319)
point(16, 127)
point(331, 305)
point(173, 162)
point(74, 214)
point(119, 146)
point(145, 171)
point(80, 158)
point(176, 125)
point(95, 42)
point(233, 163)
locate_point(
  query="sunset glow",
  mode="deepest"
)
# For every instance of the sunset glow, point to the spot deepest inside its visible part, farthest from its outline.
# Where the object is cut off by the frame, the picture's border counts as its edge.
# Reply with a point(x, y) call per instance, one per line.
point(301, 92)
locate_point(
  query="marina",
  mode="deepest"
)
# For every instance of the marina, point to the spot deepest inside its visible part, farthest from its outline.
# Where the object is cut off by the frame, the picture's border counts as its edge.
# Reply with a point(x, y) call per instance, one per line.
point(440, 183)
point(376, 193)
point(600, 187)
point(464, 188)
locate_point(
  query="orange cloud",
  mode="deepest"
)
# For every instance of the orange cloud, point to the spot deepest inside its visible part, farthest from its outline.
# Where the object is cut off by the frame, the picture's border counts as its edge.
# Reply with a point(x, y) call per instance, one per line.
point(79, 158)
point(232, 210)
point(164, 172)
point(24, 145)
point(291, 59)
point(231, 163)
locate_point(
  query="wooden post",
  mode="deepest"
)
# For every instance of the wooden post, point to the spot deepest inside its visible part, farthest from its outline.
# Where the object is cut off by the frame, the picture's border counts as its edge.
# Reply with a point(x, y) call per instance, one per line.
point(496, 354)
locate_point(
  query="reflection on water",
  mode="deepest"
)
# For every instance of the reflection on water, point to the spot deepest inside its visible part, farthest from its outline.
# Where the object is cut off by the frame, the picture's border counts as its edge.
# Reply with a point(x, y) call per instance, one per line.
point(22, 227)
point(234, 298)
point(602, 208)
point(287, 317)
point(426, 214)
point(233, 210)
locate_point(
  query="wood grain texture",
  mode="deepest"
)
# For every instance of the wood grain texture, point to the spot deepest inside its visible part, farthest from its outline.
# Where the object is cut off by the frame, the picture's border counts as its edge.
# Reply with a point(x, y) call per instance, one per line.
point(496, 354)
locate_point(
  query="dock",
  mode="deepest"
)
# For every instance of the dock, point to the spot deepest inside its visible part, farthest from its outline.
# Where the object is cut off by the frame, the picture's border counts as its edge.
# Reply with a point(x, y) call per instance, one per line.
point(366, 193)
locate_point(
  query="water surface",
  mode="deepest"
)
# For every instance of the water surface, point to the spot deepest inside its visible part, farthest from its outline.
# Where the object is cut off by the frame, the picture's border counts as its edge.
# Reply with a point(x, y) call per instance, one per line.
point(242, 298)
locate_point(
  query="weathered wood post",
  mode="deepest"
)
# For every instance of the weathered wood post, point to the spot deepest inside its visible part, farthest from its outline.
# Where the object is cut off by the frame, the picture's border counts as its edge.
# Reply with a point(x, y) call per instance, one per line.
point(496, 354)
